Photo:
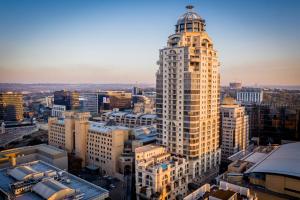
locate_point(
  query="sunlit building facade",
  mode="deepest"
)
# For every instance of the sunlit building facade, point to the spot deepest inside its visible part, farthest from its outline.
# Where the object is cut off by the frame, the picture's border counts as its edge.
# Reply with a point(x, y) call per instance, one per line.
point(234, 128)
point(11, 106)
point(187, 103)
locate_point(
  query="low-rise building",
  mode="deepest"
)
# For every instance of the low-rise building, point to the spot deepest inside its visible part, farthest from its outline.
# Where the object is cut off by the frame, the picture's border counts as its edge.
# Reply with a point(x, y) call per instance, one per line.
point(225, 191)
point(44, 152)
point(279, 171)
point(39, 180)
point(275, 168)
point(160, 175)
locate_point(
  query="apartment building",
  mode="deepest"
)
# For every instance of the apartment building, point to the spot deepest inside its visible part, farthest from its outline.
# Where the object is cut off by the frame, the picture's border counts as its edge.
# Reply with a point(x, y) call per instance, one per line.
point(188, 93)
point(234, 128)
point(160, 175)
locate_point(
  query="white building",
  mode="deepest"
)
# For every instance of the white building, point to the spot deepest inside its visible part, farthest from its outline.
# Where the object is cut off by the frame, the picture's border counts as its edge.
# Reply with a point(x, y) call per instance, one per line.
point(234, 128)
point(250, 95)
point(58, 111)
point(188, 93)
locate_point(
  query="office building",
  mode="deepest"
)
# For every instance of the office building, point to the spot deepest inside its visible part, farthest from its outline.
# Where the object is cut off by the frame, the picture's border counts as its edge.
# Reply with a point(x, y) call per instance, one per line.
point(234, 128)
point(39, 180)
point(11, 106)
point(187, 99)
point(142, 104)
point(250, 96)
point(70, 99)
point(235, 85)
point(89, 102)
point(58, 111)
point(49, 101)
point(160, 175)
point(137, 91)
point(97, 145)
point(110, 100)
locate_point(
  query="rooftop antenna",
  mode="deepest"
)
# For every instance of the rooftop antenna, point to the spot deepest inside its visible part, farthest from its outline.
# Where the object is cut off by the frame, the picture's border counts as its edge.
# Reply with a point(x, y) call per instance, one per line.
point(189, 7)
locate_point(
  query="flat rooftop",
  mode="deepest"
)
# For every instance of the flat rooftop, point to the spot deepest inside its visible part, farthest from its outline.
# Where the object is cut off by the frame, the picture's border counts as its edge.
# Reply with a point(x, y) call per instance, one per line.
point(89, 190)
point(102, 128)
point(48, 149)
point(148, 147)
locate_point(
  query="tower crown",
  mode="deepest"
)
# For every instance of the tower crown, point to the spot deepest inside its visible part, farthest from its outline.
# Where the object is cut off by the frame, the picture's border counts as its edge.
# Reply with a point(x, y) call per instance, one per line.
point(190, 21)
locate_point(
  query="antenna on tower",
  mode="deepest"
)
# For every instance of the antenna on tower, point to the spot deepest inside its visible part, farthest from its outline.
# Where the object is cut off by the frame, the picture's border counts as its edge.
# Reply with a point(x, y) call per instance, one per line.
point(189, 7)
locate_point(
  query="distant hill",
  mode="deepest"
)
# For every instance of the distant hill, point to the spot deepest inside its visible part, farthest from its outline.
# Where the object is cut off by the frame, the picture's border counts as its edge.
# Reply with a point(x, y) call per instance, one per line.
point(18, 87)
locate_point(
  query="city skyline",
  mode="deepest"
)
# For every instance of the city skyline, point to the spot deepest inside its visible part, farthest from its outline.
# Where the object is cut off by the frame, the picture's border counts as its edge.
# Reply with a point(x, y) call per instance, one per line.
point(105, 42)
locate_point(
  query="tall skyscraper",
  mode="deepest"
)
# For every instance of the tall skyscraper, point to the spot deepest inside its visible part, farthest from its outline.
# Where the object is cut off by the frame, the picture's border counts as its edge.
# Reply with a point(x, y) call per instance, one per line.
point(11, 106)
point(188, 87)
point(234, 128)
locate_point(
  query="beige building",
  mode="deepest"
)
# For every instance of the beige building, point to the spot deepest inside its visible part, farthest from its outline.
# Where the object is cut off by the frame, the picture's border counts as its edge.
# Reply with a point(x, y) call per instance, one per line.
point(95, 143)
point(127, 119)
point(188, 93)
point(234, 128)
point(11, 106)
point(160, 175)
point(47, 153)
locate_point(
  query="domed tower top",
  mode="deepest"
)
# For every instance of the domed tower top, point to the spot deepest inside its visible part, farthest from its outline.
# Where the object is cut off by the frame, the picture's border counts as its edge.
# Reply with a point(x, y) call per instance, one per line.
point(190, 22)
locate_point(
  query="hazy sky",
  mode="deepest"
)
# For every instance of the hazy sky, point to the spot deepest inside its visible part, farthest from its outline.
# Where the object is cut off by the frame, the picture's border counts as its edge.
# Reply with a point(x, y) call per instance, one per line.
point(106, 41)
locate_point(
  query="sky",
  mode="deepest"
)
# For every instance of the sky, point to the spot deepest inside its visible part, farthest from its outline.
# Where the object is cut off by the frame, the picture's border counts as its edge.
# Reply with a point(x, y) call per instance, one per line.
point(109, 41)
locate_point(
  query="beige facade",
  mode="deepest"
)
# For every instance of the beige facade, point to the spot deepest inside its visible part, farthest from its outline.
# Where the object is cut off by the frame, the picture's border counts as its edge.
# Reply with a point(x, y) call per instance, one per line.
point(188, 89)
point(159, 175)
point(234, 128)
point(96, 144)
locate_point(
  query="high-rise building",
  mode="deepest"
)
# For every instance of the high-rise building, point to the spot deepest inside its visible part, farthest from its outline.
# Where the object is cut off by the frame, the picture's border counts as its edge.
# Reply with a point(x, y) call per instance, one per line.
point(89, 102)
point(11, 106)
point(137, 91)
point(70, 99)
point(187, 101)
point(234, 128)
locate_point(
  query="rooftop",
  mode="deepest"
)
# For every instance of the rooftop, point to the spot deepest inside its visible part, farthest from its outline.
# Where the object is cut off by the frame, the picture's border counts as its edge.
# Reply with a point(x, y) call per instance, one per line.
point(284, 160)
point(43, 148)
point(46, 186)
point(148, 147)
point(102, 128)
